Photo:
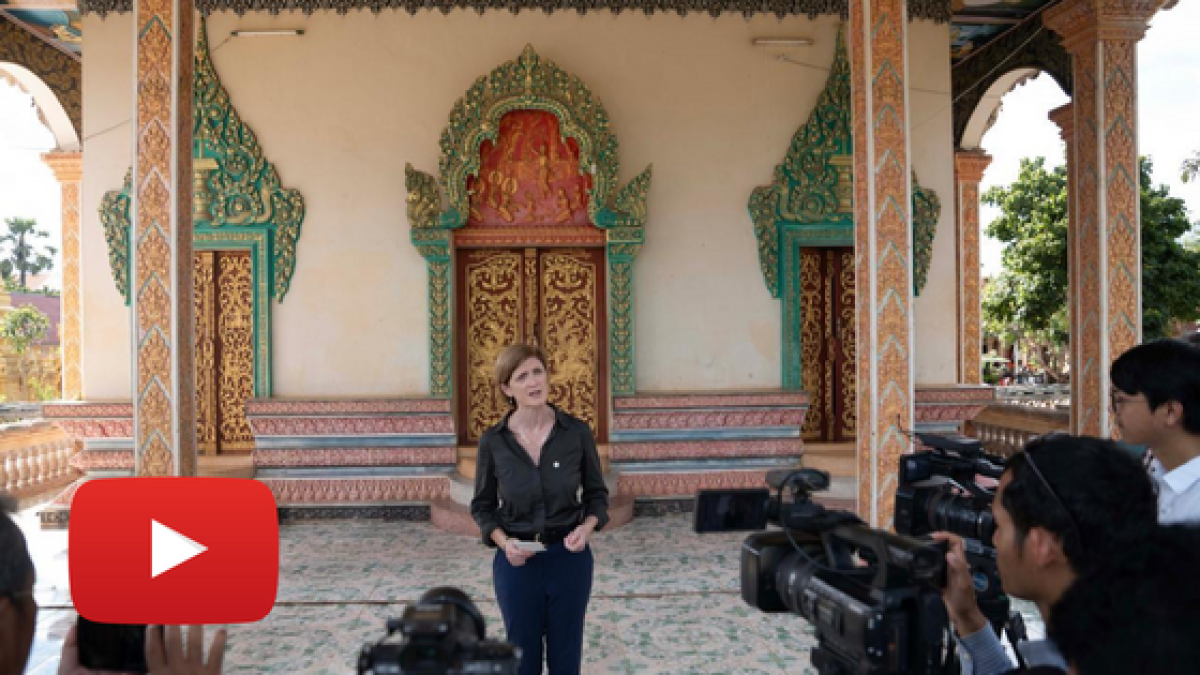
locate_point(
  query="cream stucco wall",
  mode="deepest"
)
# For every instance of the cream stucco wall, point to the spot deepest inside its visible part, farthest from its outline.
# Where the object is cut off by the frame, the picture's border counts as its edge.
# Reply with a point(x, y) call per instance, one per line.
point(108, 137)
point(932, 148)
point(342, 108)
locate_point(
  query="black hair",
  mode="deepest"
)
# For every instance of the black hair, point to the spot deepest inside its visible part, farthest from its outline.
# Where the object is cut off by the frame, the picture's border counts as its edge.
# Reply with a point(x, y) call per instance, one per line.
point(16, 567)
point(1137, 611)
point(1163, 370)
point(1106, 494)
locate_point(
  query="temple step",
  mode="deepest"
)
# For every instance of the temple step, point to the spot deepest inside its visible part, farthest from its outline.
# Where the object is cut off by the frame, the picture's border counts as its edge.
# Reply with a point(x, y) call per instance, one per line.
point(837, 458)
point(226, 466)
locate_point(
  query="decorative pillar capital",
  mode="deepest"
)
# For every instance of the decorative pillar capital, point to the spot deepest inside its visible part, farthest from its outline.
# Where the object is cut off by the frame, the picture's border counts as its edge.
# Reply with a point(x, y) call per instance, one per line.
point(1064, 117)
point(969, 165)
point(67, 166)
point(1082, 23)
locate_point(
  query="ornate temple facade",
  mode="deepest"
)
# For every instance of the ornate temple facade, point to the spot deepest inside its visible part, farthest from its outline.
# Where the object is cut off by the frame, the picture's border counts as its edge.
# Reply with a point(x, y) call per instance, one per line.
point(738, 230)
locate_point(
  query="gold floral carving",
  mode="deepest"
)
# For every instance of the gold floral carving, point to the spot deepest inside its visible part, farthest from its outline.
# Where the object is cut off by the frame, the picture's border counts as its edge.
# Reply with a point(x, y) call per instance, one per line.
point(569, 319)
point(206, 352)
point(493, 313)
point(848, 342)
point(812, 336)
point(236, 376)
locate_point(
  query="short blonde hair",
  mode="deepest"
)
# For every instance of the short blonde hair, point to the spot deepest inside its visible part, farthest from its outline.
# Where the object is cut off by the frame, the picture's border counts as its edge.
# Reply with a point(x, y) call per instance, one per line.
point(511, 358)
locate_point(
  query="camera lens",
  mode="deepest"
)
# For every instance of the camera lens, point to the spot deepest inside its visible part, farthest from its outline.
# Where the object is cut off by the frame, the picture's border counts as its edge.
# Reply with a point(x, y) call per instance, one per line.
point(794, 575)
point(958, 515)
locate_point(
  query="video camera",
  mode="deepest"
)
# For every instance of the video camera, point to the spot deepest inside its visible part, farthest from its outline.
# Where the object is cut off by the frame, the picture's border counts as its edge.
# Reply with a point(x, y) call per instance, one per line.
point(939, 490)
point(444, 633)
point(872, 596)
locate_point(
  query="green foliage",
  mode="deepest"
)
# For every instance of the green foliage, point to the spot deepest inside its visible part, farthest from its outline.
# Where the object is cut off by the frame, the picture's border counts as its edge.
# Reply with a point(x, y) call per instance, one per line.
point(1170, 282)
point(24, 256)
point(1191, 167)
point(1030, 296)
point(23, 327)
point(1028, 300)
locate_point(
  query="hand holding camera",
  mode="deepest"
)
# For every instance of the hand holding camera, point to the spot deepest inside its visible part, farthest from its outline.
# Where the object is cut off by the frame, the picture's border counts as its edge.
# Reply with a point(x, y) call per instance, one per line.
point(959, 592)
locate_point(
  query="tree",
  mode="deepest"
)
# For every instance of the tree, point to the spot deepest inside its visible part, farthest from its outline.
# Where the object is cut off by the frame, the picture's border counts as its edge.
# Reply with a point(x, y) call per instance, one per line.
point(24, 258)
point(23, 327)
point(1191, 167)
point(1026, 303)
point(1028, 300)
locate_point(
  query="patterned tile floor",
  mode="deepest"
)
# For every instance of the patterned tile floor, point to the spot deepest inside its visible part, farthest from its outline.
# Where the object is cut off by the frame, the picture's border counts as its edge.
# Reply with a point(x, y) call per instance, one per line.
point(664, 600)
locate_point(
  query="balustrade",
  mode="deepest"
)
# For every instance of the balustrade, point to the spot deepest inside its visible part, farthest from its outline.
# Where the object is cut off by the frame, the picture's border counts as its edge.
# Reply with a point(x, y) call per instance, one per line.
point(1004, 428)
point(34, 457)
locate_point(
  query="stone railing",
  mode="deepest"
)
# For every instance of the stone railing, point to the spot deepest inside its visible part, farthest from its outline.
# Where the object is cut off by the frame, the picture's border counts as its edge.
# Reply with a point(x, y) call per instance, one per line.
point(1004, 428)
point(35, 457)
point(1035, 395)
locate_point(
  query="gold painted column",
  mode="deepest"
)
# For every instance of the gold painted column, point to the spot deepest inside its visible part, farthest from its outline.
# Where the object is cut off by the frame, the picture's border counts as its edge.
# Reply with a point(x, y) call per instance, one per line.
point(161, 280)
point(68, 169)
point(1102, 37)
point(1064, 117)
point(883, 249)
point(969, 166)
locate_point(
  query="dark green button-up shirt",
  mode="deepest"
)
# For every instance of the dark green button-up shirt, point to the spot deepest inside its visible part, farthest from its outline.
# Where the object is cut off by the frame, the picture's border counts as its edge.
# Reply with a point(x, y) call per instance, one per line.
point(523, 498)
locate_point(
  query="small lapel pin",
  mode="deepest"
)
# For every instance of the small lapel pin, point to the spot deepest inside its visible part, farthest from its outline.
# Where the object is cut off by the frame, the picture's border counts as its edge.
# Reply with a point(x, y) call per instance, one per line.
point(556, 465)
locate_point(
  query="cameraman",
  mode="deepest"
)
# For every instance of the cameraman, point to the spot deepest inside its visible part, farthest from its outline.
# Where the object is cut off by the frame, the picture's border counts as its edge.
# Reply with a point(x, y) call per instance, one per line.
point(1061, 504)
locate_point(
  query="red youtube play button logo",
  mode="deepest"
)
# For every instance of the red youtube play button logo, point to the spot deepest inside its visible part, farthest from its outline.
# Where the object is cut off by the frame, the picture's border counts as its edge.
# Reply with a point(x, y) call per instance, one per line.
point(173, 550)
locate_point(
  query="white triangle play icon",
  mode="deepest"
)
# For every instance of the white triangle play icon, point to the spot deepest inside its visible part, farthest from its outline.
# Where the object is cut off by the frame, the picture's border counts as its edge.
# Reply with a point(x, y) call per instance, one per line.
point(169, 549)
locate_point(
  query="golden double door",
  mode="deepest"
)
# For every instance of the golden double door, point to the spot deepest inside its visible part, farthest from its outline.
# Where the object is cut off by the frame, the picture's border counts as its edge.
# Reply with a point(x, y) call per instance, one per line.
point(224, 351)
point(552, 297)
point(827, 343)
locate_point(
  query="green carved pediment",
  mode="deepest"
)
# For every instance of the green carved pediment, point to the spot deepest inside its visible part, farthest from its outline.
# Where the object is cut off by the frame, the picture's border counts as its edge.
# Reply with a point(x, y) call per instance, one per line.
point(236, 188)
point(814, 184)
point(533, 82)
point(927, 208)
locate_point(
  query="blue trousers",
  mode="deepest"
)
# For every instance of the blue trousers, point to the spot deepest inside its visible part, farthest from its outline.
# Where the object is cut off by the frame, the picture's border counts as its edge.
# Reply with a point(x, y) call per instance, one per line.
point(546, 599)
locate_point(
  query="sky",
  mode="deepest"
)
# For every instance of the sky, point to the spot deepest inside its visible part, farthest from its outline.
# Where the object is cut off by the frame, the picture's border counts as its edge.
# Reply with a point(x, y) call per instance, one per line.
point(1168, 103)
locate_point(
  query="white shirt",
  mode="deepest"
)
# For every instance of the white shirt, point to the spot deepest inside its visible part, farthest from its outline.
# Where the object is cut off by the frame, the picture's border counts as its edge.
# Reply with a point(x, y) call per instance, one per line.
point(1178, 491)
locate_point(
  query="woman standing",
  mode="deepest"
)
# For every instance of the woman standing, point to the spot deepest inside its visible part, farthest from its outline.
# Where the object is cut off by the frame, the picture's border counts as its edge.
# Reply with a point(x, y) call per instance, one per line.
point(530, 469)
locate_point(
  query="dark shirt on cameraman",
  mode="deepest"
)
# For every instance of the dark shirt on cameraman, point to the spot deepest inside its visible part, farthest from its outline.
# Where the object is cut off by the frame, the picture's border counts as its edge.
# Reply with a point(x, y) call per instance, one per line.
point(523, 498)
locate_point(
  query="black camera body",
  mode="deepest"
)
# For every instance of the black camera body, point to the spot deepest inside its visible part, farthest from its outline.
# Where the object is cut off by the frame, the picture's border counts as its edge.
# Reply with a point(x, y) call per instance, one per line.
point(939, 490)
point(872, 596)
point(443, 634)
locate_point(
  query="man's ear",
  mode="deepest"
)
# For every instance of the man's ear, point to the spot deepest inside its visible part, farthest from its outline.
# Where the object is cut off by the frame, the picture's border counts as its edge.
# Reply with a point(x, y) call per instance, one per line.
point(1045, 547)
point(1173, 413)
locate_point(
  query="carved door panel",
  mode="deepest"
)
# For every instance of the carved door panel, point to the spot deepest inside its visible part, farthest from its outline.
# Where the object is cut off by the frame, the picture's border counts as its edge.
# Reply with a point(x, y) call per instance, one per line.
point(224, 351)
point(550, 297)
point(828, 342)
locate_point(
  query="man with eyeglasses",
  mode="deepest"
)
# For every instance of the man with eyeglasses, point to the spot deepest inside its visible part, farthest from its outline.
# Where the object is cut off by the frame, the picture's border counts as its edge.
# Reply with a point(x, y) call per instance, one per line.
point(1061, 506)
point(1156, 403)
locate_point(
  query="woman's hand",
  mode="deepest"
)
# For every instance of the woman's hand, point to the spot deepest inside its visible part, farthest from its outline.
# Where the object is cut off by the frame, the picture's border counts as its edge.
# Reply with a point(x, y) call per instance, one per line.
point(516, 556)
point(578, 539)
